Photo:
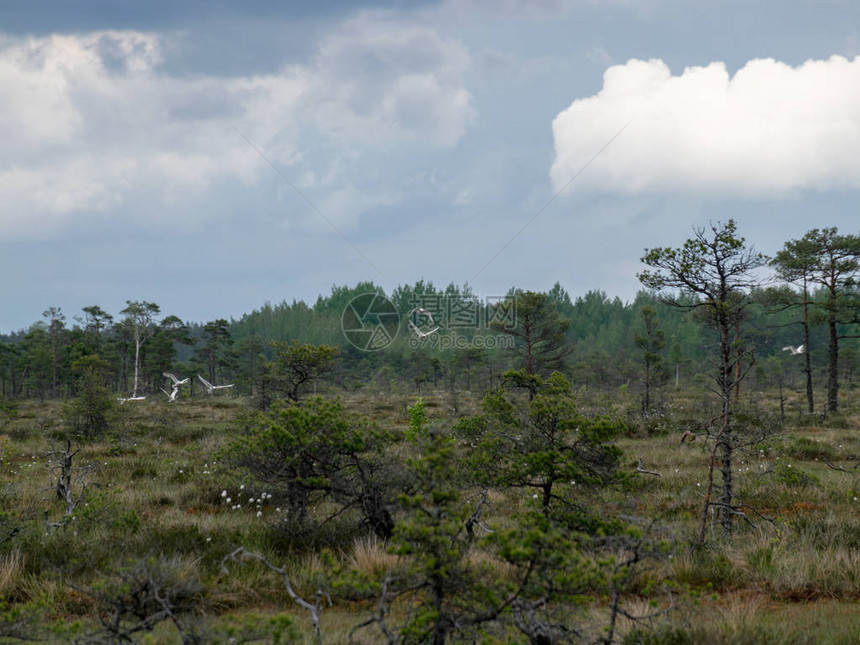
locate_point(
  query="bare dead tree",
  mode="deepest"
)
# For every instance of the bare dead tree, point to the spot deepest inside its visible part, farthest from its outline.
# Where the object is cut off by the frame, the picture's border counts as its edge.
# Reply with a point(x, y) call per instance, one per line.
point(71, 482)
point(314, 609)
point(475, 518)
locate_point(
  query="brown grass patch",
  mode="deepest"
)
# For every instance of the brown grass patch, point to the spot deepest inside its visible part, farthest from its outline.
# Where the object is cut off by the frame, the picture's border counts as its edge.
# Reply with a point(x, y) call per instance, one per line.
point(370, 556)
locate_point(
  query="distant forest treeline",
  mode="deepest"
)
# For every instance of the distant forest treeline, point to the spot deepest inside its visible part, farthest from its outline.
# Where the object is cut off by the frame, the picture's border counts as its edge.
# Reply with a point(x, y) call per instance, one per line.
point(43, 361)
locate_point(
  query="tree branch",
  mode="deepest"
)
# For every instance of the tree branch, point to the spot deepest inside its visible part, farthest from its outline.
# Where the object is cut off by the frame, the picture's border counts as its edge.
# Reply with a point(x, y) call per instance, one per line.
point(313, 609)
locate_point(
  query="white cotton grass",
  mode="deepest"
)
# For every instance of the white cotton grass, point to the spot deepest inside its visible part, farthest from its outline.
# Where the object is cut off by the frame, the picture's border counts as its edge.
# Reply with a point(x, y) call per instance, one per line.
point(255, 502)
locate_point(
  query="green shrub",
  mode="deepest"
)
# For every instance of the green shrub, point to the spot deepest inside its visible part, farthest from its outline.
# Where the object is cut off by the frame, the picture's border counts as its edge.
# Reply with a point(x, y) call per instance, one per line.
point(709, 570)
point(806, 448)
point(791, 475)
point(145, 593)
point(95, 410)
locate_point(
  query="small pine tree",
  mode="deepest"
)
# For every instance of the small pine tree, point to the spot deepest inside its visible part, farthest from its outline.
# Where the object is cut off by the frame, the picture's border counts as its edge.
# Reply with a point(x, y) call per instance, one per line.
point(542, 444)
point(95, 409)
point(651, 341)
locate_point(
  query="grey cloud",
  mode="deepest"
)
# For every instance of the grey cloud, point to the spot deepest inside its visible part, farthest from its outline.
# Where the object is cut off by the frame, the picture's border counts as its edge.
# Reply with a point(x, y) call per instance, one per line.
point(107, 127)
point(46, 16)
point(209, 101)
point(379, 81)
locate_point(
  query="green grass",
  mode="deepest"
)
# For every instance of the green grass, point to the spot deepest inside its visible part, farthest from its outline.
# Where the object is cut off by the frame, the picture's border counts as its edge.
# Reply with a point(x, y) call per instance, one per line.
point(790, 575)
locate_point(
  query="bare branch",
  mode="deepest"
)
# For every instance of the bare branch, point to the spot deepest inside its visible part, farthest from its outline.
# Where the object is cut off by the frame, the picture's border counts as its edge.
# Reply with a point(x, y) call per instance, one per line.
point(242, 553)
point(836, 467)
point(379, 616)
point(475, 518)
point(639, 469)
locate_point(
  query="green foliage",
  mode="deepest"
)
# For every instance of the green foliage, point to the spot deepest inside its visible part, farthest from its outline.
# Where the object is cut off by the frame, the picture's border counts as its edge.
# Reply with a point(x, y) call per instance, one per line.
point(831, 260)
point(135, 599)
point(449, 593)
point(316, 450)
point(216, 345)
point(431, 534)
point(651, 341)
point(103, 508)
point(295, 369)
point(140, 321)
point(540, 333)
point(523, 575)
point(718, 270)
point(452, 593)
point(557, 576)
point(546, 445)
point(8, 409)
point(791, 475)
point(599, 345)
point(21, 622)
point(709, 570)
point(92, 413)
point(418, 421)
point(522, 379)
point(251, 628)
point(806, 448)
point(546, 563)
point(10, 526)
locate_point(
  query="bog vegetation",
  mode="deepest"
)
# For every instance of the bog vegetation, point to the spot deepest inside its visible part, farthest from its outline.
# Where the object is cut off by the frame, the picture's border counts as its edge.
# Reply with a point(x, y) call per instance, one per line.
point(684, 468)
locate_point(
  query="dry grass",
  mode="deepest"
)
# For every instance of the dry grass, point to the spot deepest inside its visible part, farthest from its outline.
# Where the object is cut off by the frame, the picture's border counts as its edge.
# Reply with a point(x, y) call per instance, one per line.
point(491, 568)
point(371, 558)
point(11, 571)
point(771, 583)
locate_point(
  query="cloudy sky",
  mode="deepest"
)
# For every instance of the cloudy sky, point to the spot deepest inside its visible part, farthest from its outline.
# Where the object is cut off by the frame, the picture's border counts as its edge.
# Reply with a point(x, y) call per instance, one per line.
point(210, 158)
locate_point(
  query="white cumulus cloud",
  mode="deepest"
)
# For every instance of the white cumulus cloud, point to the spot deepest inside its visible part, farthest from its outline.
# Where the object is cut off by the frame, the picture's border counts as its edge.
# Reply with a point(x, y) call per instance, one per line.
point(768, 129)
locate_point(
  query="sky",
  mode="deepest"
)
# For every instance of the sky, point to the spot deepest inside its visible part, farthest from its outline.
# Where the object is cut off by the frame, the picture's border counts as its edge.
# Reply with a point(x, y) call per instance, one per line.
point(214, 156)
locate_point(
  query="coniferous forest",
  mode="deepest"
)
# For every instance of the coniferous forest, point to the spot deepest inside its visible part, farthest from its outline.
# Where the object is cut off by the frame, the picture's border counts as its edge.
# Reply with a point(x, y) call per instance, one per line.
point(430, 465)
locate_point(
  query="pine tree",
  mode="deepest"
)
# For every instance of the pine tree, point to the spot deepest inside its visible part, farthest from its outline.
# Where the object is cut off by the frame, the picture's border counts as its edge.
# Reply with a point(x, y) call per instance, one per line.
point(717, 268)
